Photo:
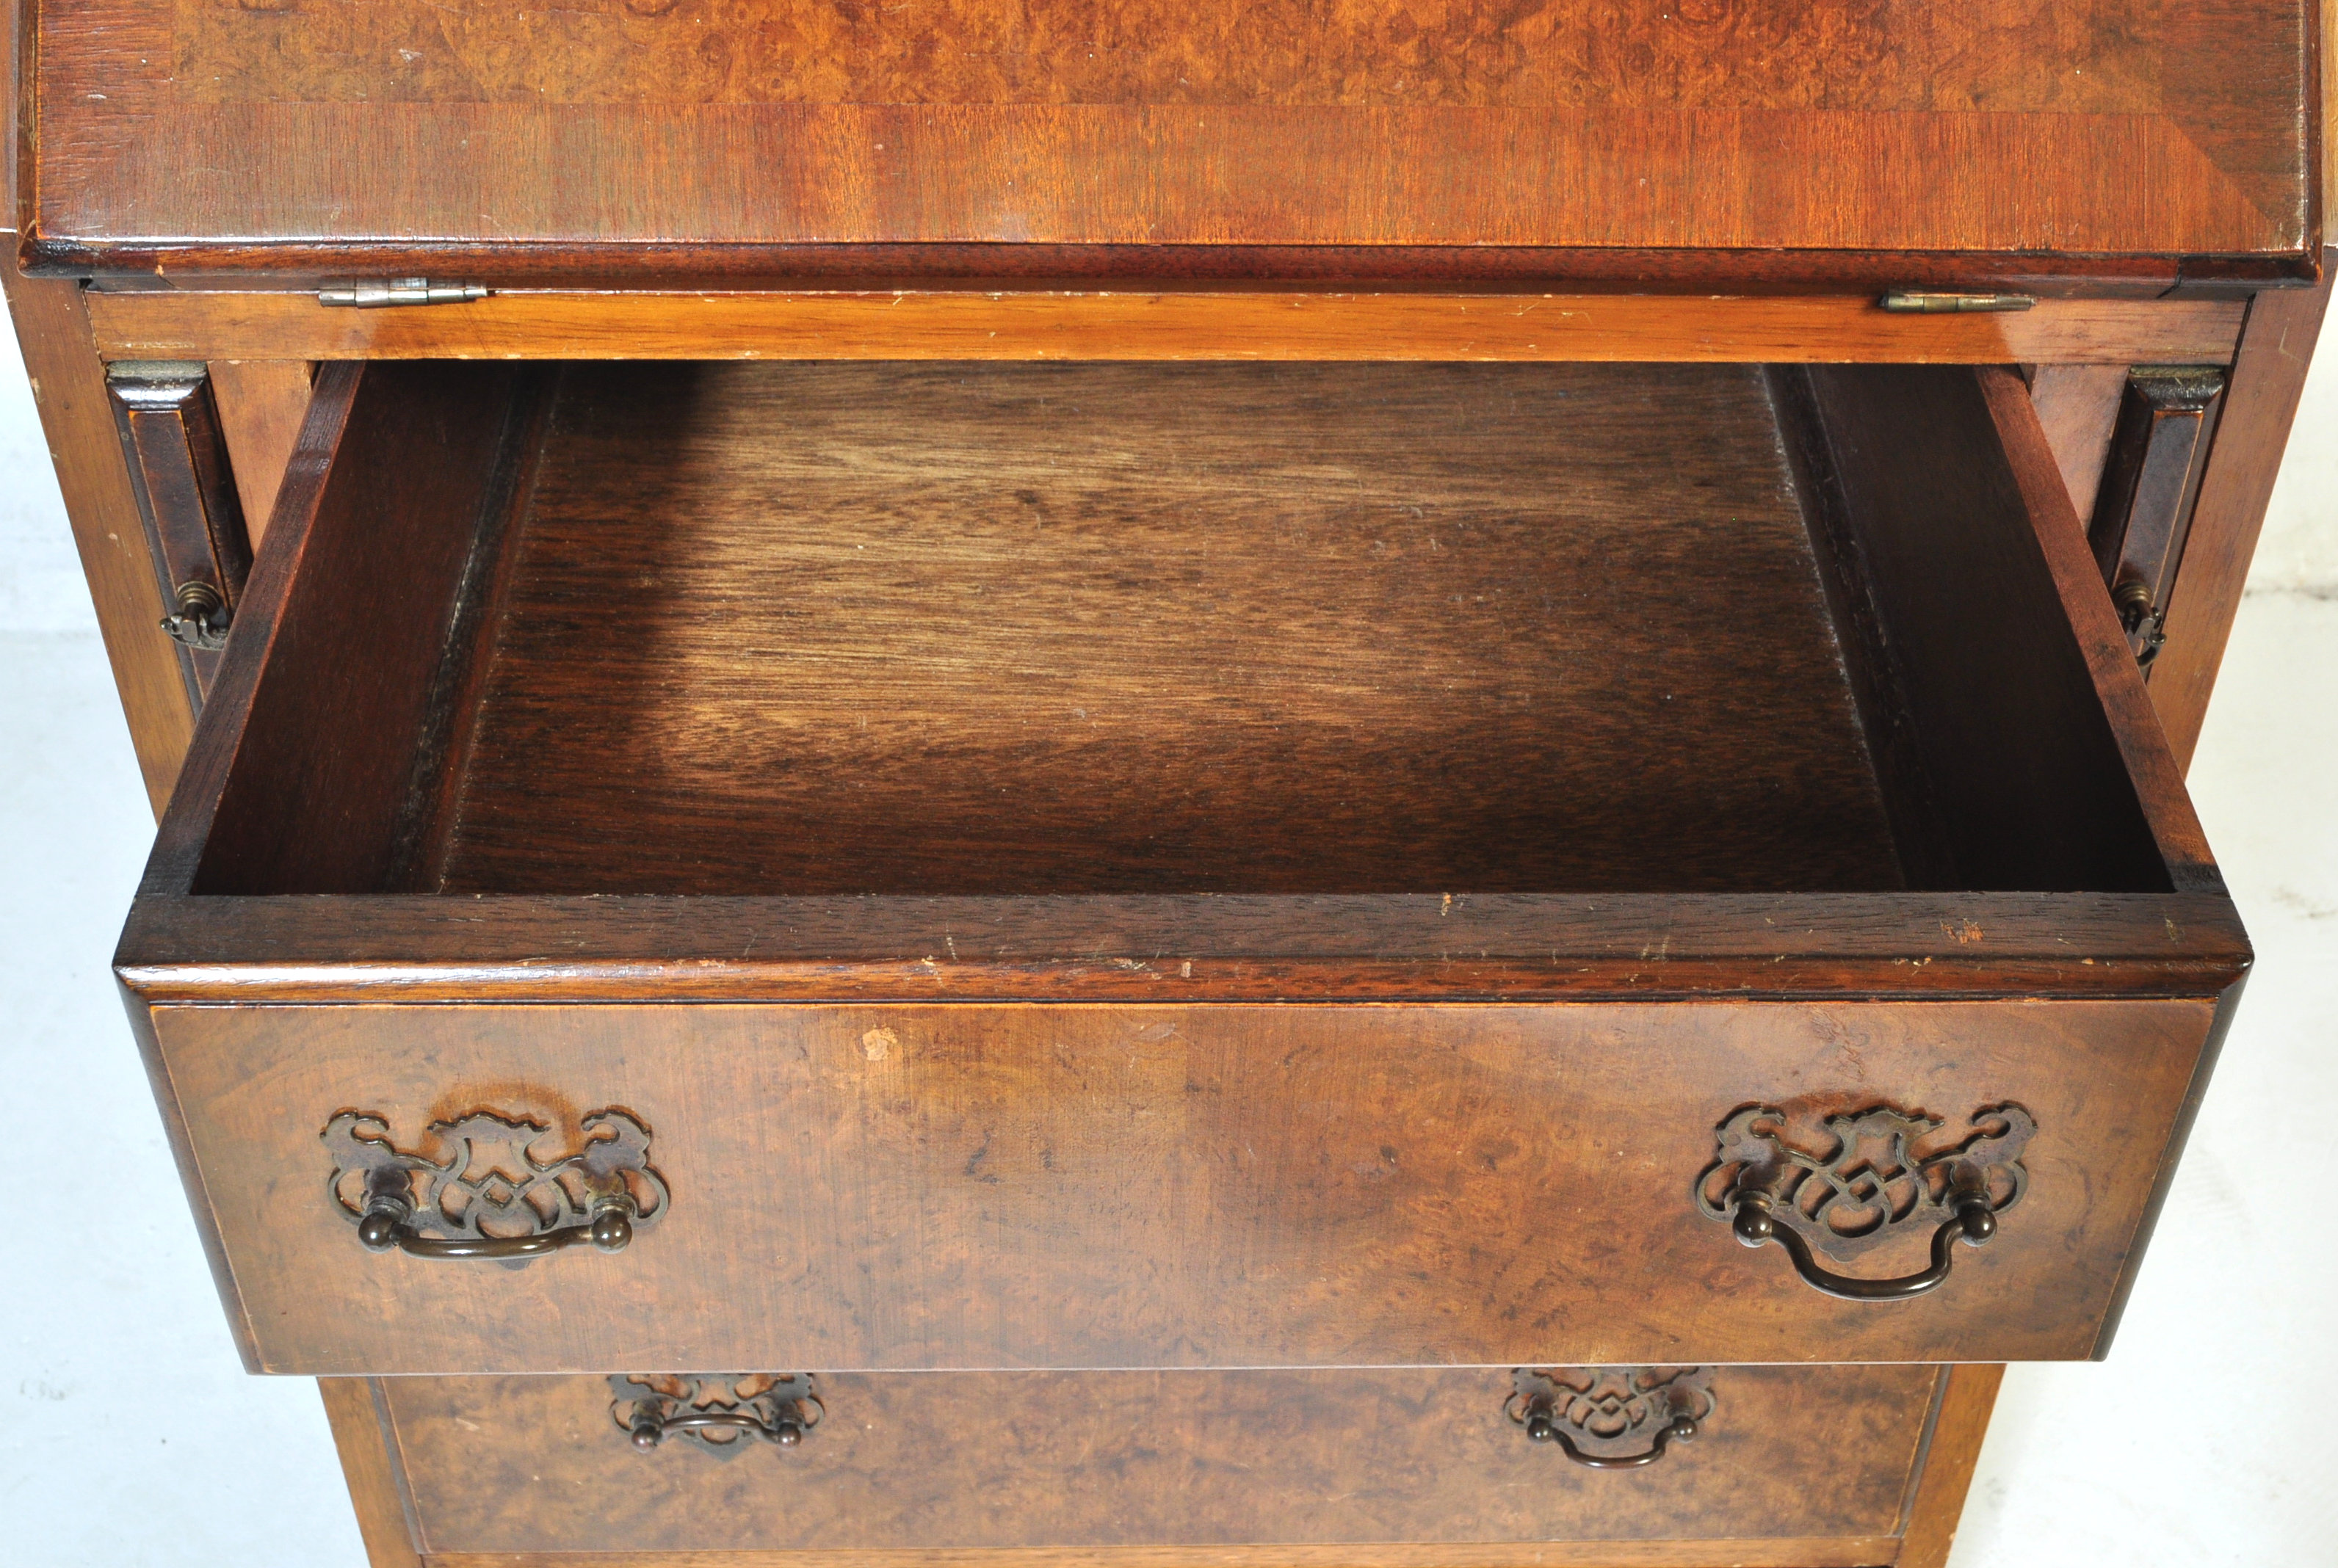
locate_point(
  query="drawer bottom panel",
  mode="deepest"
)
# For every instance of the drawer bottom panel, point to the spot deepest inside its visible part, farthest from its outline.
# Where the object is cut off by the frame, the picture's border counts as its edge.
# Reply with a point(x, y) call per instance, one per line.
point(1789, 1465)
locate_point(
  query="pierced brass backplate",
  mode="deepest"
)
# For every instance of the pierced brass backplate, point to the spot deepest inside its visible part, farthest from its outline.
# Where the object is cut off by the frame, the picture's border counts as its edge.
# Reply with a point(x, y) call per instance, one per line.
point(721, 1413)
point(1612, 1417)
point(496, 1193)
point(1881, 1173)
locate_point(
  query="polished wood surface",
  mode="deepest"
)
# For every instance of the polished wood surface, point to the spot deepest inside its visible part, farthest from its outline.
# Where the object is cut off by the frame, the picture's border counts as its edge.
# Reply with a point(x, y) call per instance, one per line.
point(400, 129)
point(373, 1457)
point(1734, 1552)
point(2268, 376)
point(374, 1469)
point(2151, 765)
point(1984, 129)
point(1213, 947)
point(77, 418)
point(1164, 322)
point(2143, 509)
point(1951, 1450)
point(852, 703)
point(987, 1463)
point(186, 490)
point(901, 1186)
point(15, 53)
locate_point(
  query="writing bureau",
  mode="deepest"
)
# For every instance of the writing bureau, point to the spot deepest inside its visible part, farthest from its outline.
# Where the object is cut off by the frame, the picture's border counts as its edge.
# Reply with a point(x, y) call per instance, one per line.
point(1232, 786)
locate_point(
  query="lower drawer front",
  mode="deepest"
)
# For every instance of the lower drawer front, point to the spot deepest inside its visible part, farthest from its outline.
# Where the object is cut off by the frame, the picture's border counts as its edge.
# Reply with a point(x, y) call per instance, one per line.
point(1789, 1465)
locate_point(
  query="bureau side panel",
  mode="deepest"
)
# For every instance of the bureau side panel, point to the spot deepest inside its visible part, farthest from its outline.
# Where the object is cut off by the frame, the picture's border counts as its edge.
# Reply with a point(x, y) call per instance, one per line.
point(52, 322)
point(938, 1187)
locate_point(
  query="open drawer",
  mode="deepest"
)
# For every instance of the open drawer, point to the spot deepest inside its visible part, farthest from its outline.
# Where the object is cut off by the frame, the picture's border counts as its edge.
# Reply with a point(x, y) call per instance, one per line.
point(927, 866)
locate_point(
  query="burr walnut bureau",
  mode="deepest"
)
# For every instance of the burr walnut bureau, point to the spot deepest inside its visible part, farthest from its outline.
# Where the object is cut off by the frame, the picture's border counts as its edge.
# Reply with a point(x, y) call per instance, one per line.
point(1057, 784)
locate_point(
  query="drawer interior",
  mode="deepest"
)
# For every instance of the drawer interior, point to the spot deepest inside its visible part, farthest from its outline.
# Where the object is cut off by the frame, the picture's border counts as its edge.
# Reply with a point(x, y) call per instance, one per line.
point(1021, 629)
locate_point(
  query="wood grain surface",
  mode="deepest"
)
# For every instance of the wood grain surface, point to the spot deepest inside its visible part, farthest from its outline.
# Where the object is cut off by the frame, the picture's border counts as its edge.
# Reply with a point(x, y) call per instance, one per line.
point(2024, 763)
point(2099, 55)
point(1450, 944)
point(2077, 406)
point(2126, 130)
point(680, 267)
point(262, 404)
point(1217, 948)
point(1951, 1450)
point(1164, 322)
point(2099, 642)
point(186, 490)
point(995, 1461)
point(381, 517)
point(905, 1187)
point(374, 1469)
point(77, 419)
point(1100, 628)
point(2260, 398)
point(893, 1186)
point(1735, 1553)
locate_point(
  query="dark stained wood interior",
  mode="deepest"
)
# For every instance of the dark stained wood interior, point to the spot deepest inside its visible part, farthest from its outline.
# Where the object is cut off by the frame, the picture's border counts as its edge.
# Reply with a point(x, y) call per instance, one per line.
point(2026, 783)
point(1299, 628)
point(911, 629)
point(352, 635)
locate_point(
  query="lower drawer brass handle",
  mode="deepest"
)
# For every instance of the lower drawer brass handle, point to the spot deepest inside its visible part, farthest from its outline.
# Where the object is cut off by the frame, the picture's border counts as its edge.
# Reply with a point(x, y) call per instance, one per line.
point(388, 1223)
point(722, 1414)
point(1612, 1417)
point(1885, 1170)
point(493, 1196)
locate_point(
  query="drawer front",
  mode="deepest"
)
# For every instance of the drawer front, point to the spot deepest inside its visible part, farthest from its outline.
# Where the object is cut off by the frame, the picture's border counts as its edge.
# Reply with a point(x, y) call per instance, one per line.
point(1092, 1187)
point(1785, 1458)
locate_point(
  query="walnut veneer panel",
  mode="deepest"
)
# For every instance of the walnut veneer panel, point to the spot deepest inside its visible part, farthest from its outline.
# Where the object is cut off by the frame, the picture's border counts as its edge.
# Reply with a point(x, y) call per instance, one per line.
point(1252, 324)
point(1047, 630)
point(174, 129)
point(68, 379)
point(909, 1187)
point(1043, 1460)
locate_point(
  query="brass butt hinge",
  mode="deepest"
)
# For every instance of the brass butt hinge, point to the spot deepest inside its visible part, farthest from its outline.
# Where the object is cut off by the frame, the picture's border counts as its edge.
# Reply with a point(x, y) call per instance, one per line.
point(377, 293)
point(1925, 303)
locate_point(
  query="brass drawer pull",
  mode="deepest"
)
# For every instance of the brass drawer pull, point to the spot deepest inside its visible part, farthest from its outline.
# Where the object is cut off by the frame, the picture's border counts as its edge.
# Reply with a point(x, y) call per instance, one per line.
point(492, 1196)
point(1612, 1417)
point(1870, 1183)
point(719, 1413)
